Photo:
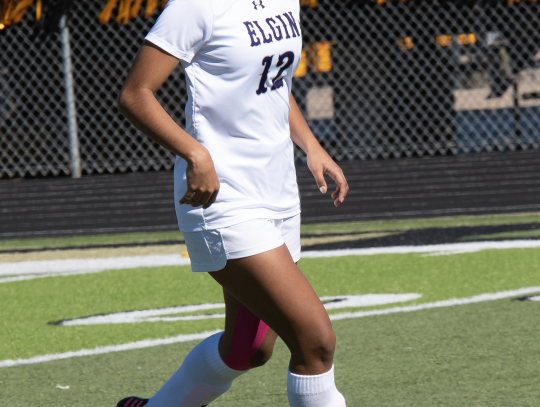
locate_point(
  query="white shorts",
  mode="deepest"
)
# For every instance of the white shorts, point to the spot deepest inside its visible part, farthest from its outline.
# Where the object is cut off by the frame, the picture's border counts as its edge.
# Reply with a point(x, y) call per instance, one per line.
point(209, 250)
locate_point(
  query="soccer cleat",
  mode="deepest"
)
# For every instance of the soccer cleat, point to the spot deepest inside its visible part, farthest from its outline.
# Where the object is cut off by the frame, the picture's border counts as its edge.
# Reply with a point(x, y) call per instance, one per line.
point(132, 402)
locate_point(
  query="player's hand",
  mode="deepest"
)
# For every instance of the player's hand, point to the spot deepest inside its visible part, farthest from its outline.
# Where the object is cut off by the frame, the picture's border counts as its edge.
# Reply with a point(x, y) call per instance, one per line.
point(320, 163)
point(202, 181)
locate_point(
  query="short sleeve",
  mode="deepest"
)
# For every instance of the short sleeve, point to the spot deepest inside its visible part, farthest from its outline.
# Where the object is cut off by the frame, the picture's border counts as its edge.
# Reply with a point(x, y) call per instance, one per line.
point(183, 28)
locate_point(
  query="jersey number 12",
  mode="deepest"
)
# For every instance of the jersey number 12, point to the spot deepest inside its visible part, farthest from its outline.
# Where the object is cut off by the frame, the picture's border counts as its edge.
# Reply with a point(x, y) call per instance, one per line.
point(277, 82)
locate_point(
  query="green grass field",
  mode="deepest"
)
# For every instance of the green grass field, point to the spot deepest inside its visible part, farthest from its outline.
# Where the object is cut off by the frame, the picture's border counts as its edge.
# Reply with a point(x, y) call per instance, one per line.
point(483, 354)
point(324, 228)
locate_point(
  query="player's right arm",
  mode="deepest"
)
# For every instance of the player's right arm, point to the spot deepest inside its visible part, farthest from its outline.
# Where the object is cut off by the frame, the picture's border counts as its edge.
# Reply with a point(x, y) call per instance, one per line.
point(139, 105)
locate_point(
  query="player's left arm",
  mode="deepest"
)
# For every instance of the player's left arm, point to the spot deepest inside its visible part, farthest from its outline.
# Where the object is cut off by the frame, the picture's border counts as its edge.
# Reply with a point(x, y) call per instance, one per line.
point(318, 160)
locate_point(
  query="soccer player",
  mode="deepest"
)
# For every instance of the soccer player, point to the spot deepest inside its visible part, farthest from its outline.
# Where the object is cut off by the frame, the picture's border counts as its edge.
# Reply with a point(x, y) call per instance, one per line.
point(239, 58)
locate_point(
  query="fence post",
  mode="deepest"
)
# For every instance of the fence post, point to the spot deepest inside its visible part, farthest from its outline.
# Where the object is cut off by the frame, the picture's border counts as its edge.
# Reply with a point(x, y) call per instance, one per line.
point(517, 112)
point(75, 159)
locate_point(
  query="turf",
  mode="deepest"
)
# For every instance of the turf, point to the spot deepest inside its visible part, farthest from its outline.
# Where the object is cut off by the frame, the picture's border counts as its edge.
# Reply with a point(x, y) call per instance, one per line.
point(518, 234)
point(407, 224)
point(28, 306)
point(485, 354)
point(53, 242)
point(314, 229)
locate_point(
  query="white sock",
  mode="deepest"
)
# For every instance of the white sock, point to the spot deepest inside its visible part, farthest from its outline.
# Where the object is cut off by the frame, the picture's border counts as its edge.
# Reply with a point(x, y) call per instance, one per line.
point(314, 391)
point(202, 378)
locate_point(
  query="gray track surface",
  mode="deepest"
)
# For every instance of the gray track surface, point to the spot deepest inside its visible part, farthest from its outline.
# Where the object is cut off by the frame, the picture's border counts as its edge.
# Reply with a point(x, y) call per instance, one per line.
point(384, 189)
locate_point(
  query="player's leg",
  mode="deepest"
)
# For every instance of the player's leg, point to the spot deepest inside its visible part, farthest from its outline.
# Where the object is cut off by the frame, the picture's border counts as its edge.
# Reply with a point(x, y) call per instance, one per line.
point(209, 369)
point(247, 341)
point(206, 372)
point(274, 289)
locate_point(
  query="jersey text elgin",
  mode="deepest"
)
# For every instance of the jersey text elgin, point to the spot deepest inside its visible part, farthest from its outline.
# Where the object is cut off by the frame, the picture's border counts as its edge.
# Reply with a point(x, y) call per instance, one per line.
point(271, 30)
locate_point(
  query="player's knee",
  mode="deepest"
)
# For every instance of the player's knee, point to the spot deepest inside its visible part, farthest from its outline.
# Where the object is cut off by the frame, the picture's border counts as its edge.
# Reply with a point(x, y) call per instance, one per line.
point(262, 355)
point(318, 343)
point(323, 344)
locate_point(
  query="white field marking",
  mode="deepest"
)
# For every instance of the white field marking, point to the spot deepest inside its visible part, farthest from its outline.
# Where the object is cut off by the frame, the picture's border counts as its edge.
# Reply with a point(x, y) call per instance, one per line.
point(155, 315)
point(185, 318)
point(147, 343)
point(149, 315)
point(535, 298)
point(447, 248)
point(34, 276)
point(335, 317)
point(366, 300)
point(51, 268)
point(21, 278)
point(438, 304)
point(69, 266)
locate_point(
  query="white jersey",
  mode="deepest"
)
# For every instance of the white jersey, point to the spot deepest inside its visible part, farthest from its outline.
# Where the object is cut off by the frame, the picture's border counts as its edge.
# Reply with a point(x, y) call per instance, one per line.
point(239, 57)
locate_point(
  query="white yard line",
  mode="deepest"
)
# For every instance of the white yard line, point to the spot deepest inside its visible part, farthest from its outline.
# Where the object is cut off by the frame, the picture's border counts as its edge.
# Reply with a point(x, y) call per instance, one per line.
point(34, 276)
point(147, 343)
point(438, 304)
point(171, 313)
point(48, 268)
point(448, 248)
point(70, 266)
point(335, 317)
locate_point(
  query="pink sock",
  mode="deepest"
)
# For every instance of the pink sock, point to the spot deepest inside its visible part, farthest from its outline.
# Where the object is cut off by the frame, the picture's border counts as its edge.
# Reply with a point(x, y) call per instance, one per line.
point(249, 332)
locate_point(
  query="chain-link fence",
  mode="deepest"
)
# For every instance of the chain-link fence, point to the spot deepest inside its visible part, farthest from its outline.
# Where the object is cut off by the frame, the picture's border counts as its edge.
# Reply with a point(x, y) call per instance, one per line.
point(379, 80)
